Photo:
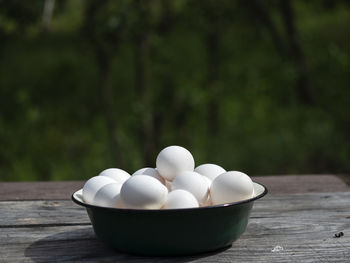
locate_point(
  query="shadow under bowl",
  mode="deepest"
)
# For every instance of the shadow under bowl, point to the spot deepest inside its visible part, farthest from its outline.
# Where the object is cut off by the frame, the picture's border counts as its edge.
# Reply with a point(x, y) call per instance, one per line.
point(171, 231)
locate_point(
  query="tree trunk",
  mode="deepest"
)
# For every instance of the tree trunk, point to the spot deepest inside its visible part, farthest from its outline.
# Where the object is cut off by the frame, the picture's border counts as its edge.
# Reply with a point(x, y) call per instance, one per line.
point(264, 17)
point(106, 91)
point(101, 46)
point(213, 65)
point(142, 87)
point(47, 15)
point(303, 82)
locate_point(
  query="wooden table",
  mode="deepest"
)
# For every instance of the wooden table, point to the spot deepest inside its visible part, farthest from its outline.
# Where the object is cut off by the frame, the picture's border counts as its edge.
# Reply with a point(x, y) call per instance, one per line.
point(296, 222)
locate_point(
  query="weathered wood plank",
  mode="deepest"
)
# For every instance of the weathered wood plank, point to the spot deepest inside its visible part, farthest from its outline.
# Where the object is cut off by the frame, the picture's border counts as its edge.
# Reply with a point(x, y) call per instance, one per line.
point(38, 190)
point(303, 224)
point(303, 243)
point(26, 213)
point(276, 184)
point(289, 184)
point(62, 212)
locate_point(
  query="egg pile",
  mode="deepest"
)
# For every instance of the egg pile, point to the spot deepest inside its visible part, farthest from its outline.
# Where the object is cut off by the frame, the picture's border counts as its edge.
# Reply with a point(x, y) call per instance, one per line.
point(174, 183)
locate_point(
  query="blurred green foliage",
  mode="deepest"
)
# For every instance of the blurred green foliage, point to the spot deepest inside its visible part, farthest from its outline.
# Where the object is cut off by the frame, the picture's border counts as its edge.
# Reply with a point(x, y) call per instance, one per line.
point(257, 86)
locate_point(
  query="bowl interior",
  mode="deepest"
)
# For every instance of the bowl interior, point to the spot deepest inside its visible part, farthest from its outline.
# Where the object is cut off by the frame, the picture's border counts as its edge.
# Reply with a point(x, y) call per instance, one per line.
point(259, 191)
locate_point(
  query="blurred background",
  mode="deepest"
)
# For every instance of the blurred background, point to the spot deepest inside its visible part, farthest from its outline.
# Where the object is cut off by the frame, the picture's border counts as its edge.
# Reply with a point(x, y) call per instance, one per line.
point(256, 86)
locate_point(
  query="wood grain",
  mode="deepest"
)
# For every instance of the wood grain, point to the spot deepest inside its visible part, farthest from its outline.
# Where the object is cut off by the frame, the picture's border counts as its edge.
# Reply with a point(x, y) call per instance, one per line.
point(38, 190)
point(276, 185)
point(303, 224)
point(78, 244)
point(62, 212)
point(28, 213)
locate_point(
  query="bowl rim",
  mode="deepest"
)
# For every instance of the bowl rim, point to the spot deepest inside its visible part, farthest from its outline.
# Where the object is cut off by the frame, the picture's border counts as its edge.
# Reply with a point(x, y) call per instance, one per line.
point(171, 210)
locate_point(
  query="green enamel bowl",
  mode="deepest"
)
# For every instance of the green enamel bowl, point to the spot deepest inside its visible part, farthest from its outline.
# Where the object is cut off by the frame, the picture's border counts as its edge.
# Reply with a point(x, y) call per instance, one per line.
point(172, 231)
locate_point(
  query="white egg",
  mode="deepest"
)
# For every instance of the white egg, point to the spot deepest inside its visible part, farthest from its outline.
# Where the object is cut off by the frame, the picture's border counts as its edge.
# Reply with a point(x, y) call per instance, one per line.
point(231, 187)
point(210, 170)
point(150, 172)
point(109, 196)
point(143, 192)
point(119, 175)
point(173, 160)
point(194, 183)
point(209, 182)
point(180, 199)
point(93, 185)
